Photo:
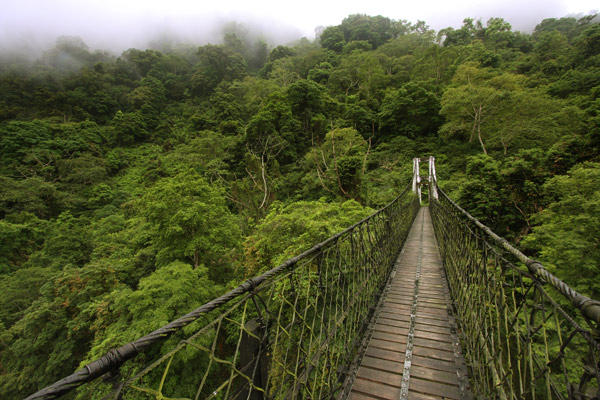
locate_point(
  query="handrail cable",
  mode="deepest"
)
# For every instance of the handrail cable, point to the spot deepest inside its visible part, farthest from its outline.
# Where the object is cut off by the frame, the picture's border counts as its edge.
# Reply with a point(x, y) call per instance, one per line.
point(522, 329)
point(360, 245)
point(589, 307)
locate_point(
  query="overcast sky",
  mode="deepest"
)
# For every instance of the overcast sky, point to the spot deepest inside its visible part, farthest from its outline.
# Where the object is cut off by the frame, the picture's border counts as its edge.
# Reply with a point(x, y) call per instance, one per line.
point(120, 24)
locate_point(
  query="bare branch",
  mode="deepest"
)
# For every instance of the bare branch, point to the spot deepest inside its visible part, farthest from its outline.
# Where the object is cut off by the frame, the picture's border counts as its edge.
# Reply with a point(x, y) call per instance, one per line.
point(368, 150)
point(253, 179)
point(337, 172)
point(270, 146)
point(522, 213)
point(263, 168)
point(237, 201)
point(323, 158)
point(319, 172)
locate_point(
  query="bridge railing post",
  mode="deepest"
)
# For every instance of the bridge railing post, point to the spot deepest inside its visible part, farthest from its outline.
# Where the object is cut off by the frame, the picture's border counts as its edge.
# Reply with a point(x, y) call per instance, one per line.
point(416, 184)
point(432, 179)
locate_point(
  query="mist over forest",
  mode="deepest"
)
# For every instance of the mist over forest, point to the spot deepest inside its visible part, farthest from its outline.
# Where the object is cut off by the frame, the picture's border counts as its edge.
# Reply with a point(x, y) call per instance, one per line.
point(30, 27)
point(139, 183)
point(32, 46)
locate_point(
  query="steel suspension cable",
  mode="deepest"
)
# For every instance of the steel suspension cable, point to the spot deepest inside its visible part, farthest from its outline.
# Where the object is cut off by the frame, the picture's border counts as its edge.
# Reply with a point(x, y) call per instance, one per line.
point(351, 268)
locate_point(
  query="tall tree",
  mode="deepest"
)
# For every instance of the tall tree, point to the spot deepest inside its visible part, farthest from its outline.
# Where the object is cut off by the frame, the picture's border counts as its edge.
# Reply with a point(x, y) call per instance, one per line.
point(193, 223)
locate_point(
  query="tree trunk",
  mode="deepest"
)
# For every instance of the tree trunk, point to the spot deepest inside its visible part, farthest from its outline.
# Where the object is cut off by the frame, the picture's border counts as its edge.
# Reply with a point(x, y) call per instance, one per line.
point(480, 139)
point(477, 126)
point(263, 169)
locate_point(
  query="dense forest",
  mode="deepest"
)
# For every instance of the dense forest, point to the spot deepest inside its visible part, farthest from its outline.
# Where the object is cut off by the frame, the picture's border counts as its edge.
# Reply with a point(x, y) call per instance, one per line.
point(135, 188)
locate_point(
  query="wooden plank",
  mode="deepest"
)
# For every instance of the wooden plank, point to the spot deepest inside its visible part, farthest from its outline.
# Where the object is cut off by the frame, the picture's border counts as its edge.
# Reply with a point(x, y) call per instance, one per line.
point(402, 292)
point(389, 337)
point(360, 396)
point(432, 312)
point(383, 354)
point(433, 353)
point(442, 330)
point(434, 344)
point(377, 375)
point(385, 345)
point(430, 324)
point(433, 320)
point(434, 375)
point(433, 369)
point(393, 322)
point(434, 388)
point(393, 300)
point(437, 337)
point(393, 308)
point(395, 317)
point(434, 294)
point(375, 389)
point(433, 301)
point(395, 330)
point(384, 365)
point(440, 365)
point(420, 396)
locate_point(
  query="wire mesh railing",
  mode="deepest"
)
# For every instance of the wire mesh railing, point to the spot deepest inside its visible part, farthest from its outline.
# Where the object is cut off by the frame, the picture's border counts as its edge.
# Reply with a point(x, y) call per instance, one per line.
point(525, 333)
point(290, 333)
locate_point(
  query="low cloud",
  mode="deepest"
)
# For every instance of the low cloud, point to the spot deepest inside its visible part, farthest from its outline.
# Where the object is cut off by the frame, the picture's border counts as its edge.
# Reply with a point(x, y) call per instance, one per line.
point(115, 30)
point(29, 26)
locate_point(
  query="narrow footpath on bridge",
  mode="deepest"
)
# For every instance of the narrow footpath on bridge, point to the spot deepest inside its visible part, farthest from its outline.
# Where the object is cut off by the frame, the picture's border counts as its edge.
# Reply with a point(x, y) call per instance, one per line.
point(413, 351)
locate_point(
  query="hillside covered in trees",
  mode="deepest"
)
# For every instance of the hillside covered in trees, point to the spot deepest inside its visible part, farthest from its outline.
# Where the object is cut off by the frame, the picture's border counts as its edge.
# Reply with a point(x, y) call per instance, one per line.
point(135, 188)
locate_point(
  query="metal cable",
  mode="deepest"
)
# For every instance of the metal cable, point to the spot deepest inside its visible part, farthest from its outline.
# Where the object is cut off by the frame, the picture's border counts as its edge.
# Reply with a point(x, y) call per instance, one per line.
point(281, 329)
point(521, 328)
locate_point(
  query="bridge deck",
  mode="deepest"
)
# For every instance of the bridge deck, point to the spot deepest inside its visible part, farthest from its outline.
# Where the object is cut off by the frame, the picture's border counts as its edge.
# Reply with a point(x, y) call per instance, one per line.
point(413, 352)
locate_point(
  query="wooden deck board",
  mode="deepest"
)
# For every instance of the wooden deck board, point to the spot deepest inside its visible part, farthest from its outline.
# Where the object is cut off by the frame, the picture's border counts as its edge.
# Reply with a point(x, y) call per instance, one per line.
point(375, 389)
point(436, 370)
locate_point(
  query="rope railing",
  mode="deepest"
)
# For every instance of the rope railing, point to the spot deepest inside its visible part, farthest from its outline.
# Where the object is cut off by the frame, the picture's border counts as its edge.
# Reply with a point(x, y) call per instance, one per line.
point(525, 333)
point(290, 333)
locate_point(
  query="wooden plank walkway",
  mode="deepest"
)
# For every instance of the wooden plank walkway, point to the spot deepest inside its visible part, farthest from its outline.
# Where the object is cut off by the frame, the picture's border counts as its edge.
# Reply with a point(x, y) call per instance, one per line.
point(413, 352)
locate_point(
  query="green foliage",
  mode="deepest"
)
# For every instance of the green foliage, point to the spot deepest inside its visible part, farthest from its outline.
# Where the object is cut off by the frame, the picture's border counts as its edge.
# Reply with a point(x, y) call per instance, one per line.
point(306, 98)
point(386, 172)
point(332, 38)
point(374, 30)
point(21, 233)
point(281, 52)
point(127, 128)
point(217, 63)
point(479, 191)
point(356, 45)
point(129, 186)
point(339, 163)
point(192, 223)
point(501, 112)
point(287, 230)
point(32, 195)
point(67, 244)
point(18, 137)
point(275, 123)
point(209, 153)
point(21, 288)
point(412, 110)
point(358, 73)
point(55, 332)
point(566, 235)
point(160, 298)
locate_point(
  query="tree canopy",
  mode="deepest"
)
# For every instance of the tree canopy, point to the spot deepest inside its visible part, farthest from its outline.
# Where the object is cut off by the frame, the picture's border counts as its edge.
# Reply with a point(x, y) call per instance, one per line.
point(134, 188)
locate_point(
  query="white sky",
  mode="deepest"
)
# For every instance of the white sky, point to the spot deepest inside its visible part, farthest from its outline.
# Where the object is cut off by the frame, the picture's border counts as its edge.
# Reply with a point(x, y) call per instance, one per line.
point(131, 23)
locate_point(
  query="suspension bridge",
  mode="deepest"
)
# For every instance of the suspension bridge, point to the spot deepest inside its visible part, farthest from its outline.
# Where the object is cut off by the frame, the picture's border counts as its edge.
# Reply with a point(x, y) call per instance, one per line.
point(412, 302)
